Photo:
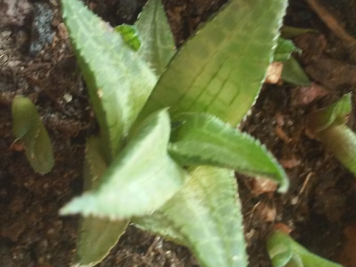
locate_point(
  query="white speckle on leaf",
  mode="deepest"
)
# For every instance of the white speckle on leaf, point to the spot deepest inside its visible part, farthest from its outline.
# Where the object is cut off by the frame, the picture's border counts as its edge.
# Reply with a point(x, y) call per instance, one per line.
point(100, 93)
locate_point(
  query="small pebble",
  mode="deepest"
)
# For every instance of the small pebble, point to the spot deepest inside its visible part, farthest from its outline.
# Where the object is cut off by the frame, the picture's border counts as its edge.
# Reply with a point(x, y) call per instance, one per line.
point(294, 200)
point(5, 34)
point(67, 98)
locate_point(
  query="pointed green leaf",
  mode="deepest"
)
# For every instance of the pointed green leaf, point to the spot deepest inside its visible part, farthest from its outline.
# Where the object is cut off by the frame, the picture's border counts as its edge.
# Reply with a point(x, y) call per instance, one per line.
point(141, 179)
point(111, 72)
point(293, 73)
point(158, 44)
point(284, 50)
point(340, 140)
point(329, 126)
point(279, 240)
point(335, 114)
point(220, 70)
point(205, 140)
point(206, 212)
point(96, 236)
point(28, 127)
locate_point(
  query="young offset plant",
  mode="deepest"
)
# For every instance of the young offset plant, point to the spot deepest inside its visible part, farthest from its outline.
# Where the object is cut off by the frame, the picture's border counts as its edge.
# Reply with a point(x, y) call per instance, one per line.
point(285, 252)
point(329, 126)
point(29, 129)
point(292, 72)
point(168, 147)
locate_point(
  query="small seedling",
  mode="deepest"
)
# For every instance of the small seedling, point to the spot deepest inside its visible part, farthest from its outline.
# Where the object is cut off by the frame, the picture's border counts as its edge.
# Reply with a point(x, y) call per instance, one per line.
point(329, 126)
point(285, 252)
point(28, 128)
point(292, 71)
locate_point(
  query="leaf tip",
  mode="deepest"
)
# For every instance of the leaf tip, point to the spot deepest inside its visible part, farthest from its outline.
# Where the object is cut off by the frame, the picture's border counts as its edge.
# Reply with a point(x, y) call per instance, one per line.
point(284, 185)
point(78, 205)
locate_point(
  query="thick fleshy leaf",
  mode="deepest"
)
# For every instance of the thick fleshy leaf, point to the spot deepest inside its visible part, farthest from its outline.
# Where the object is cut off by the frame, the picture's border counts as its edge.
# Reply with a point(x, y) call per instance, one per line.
point(340, 140)
point(157, 40)
point(28, 127)
point(328, 125)
point(335, 114)
point(285, 252)
point(96, 238)
point(111, 72)
point(279, 252)
point(295, 261)
point(205, 140)
point(220, 70)
point(140, 180)
point(96, 235)
point(284, 50)
point(293, 73)
point(206, 213)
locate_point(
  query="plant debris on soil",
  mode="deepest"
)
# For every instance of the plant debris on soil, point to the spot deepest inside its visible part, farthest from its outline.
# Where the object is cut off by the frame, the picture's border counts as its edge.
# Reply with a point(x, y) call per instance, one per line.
point(36, 60)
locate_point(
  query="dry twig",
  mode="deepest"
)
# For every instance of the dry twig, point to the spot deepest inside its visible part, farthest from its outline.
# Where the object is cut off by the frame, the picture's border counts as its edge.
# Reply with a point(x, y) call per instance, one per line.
point(332, 23)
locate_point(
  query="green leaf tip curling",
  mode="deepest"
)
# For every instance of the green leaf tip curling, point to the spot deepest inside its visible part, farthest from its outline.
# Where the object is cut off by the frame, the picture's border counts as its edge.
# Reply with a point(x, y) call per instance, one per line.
point(285, 252)
point(329, 126)
point(334, 114)
point(203, 139)
point(28, 127)
point(284, 50)
point(141, 179)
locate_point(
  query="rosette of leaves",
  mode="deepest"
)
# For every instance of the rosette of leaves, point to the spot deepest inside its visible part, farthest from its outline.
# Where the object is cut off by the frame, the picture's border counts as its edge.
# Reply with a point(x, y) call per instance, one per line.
point(167, 147)
point(29, 129)
point(285, 252)
point(329, 126)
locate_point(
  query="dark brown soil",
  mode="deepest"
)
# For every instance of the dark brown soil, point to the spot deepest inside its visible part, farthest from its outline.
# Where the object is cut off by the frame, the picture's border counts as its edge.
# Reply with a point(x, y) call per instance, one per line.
point(322, 197)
